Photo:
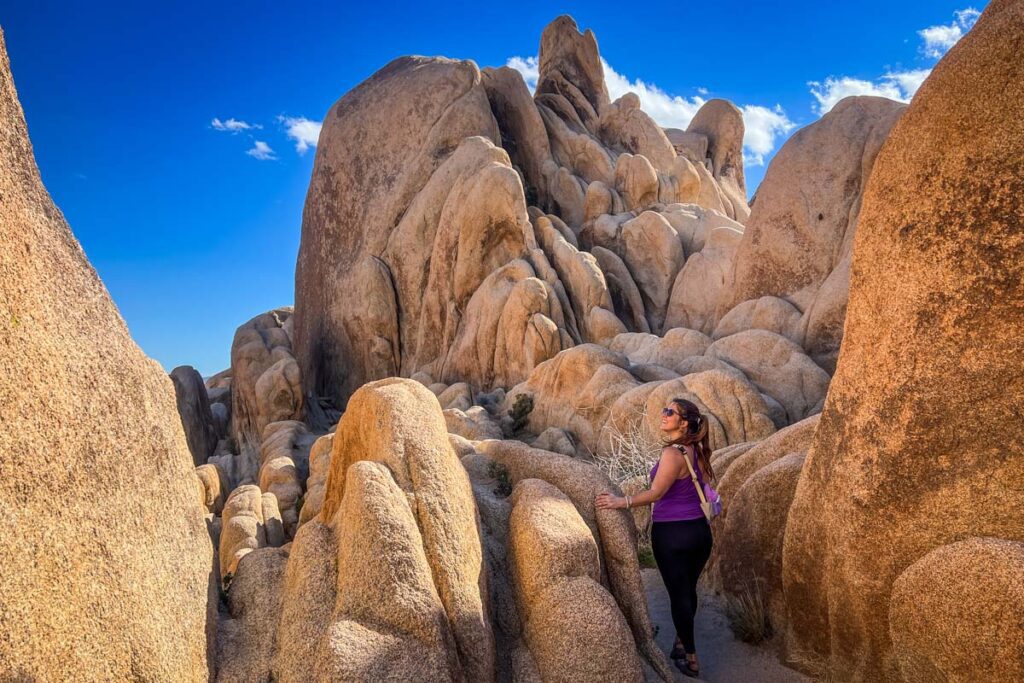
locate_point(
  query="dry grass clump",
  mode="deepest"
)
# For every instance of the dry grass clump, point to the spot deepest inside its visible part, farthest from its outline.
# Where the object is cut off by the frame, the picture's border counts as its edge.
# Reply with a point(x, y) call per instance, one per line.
point(645, 558)
point(814, 666)
point(747, 613)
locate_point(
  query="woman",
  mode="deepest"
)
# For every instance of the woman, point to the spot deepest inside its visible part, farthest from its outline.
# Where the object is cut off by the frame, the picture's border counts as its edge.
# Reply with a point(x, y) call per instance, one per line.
point(680, 534)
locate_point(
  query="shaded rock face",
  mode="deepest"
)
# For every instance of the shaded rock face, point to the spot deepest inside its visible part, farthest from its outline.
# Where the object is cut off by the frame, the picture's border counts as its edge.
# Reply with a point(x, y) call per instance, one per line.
point(451, 215)
point(799, 239)
point(522, 129)
point(319, 467)
point(757, 481)
point(254, 600)
point(919, 443)
point(104, 535)
point(408, 118)
point(194, 409)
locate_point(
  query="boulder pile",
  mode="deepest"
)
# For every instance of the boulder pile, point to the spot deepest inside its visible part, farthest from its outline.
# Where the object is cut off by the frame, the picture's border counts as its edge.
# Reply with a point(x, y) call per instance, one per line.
point(418, 554)
point(496, 293)
point(486, 230)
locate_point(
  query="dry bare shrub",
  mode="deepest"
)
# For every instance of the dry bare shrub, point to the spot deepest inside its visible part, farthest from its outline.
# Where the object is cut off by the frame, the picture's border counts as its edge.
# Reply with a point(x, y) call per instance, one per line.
point(632, 451)
point(628, 461)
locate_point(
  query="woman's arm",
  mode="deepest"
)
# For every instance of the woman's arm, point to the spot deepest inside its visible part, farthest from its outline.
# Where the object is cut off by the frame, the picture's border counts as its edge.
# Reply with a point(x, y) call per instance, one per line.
point(669, 467)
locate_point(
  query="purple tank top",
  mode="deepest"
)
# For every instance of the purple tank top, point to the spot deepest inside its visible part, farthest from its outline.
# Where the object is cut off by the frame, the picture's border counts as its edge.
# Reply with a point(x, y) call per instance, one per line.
point(681, 501)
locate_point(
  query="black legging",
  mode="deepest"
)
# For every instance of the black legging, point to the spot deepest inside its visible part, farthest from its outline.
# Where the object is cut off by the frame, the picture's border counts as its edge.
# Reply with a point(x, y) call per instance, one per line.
point(681, 550)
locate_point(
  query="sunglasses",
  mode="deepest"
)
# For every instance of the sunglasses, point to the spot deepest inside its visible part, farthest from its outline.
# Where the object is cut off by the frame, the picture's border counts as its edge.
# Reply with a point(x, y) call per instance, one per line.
point(668, 412)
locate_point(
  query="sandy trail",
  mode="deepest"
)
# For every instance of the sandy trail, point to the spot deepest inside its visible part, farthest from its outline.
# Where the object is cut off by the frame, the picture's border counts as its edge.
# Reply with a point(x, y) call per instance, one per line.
point(723, 659)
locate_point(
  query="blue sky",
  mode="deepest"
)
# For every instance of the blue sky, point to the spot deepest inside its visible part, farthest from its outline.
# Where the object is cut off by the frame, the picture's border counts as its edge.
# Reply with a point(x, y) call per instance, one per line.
point(193, 223)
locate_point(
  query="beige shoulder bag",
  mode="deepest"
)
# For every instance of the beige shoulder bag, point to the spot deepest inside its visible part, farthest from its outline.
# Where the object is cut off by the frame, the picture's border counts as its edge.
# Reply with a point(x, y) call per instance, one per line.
point(710, 501)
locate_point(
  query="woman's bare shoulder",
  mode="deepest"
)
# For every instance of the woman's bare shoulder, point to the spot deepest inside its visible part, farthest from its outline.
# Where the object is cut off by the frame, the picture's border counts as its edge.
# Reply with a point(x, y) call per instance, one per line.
point(671, 451)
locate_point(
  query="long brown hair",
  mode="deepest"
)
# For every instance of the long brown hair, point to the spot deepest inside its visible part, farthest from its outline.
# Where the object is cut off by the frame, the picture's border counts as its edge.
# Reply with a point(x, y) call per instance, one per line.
point(696, 435)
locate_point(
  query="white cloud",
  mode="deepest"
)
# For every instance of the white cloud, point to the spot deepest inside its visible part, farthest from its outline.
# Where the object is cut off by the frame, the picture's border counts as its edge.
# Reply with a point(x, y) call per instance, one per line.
point(908, 81)
point(833, 89)
point(529, 68)
point(233, 125)
point(938, 39)
point(670, 111)
point(304, 132)
point(763, 125)
point(261, 151)
point(896, 85)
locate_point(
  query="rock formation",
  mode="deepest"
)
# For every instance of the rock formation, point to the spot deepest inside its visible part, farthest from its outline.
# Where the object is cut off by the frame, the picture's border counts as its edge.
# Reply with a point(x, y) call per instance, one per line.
point(465, 217)
point(265, 385)
point(596, 393)
point(757, 481)
point(919, 443)
point(250, 520)
point(612, 529)
point(721, 122)
point(284, 467)
point(319, 467)
point(196, 416)
point(501, 290)
point(574, 629)
point(107, 563)
point(981, 594)
point(798, 243)
point(397, 559)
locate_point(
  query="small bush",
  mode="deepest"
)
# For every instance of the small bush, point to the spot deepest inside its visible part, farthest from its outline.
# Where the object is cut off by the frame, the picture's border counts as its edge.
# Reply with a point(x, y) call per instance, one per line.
point(222, 591)
point(646, 558)
point(521, 410)
point(748, 616)
point(499, 473)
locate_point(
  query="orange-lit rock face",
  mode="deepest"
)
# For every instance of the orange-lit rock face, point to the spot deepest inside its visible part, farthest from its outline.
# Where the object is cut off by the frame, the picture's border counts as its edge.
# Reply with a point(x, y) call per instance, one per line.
point(919, 442)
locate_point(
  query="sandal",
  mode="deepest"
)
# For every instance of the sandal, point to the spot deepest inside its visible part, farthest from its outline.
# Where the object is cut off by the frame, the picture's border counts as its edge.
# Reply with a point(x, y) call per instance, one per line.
point(687, 667)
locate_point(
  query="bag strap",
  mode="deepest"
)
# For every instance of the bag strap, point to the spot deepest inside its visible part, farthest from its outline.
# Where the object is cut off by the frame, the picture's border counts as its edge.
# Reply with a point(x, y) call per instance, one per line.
point(693, 475)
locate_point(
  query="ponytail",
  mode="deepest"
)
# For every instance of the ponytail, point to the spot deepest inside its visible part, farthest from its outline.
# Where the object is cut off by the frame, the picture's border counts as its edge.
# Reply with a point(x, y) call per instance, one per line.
point(696, 435)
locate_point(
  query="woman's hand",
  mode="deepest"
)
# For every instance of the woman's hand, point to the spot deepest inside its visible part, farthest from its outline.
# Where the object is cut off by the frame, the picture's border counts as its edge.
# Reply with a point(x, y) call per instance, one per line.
point(607, 501)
